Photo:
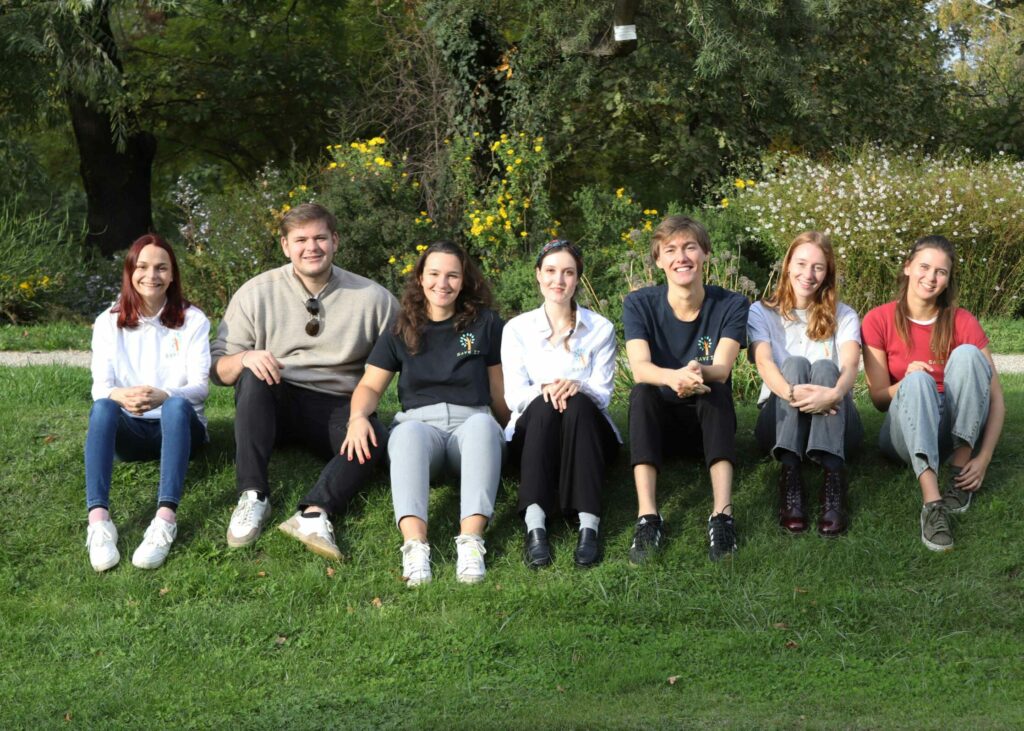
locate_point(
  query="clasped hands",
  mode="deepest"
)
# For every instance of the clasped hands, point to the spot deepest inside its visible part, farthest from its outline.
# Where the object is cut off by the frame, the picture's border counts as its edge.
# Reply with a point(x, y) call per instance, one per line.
point(139, 399)
point(558, 392)
point(688, 381)
point(811, 399)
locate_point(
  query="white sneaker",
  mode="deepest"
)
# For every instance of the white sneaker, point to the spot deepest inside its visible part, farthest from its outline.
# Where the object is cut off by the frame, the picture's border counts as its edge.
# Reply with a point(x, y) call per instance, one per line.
point(155, 544)
point(416, 563)
point(247, 522)
point(317, 533)
point(470, 569)
point(101, 540)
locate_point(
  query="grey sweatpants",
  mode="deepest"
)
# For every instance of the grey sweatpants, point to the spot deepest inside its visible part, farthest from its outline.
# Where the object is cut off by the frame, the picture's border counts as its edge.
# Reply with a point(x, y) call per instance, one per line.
point(923, 426)
point(465, 439)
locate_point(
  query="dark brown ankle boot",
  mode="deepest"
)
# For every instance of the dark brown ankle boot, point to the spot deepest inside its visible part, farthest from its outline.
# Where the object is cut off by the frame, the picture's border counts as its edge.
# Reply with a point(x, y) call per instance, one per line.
point(834, 520)
point(792, 515)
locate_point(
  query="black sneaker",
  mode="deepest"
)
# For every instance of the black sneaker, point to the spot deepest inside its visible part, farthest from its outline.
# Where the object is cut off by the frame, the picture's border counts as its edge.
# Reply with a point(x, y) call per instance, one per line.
point(721, 536)
point(646, 538)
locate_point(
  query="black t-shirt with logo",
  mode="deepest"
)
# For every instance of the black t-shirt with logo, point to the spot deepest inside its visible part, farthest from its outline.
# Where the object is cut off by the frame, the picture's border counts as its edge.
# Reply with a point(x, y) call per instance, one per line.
point(646, 315)
point(450, 367)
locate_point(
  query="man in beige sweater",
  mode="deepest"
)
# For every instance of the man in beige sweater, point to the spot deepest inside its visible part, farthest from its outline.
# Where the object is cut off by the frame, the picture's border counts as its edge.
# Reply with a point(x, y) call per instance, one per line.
point(293, 343)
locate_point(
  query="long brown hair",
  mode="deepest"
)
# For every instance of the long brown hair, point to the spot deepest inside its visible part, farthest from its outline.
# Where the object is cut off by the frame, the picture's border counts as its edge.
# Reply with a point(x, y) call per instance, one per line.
point(129, 304)
point(821, 313)
point(474, 296)
point(943, 329)
point(553, 247)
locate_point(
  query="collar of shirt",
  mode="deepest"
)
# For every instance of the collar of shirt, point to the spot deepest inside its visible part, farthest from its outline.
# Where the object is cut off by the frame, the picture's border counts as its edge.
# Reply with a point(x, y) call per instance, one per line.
point(539, 320)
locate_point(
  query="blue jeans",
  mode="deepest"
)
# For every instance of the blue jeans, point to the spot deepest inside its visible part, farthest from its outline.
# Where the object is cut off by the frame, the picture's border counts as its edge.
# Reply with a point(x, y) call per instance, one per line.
point(923, 426)
point(173, 439)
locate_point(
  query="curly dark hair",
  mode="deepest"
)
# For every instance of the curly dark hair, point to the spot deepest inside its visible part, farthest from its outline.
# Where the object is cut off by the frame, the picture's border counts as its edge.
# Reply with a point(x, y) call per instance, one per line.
point(474, 297)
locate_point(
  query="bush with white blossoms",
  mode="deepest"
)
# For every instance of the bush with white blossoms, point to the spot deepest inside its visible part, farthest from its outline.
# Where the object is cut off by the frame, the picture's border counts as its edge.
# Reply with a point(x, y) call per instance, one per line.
point(879, 201)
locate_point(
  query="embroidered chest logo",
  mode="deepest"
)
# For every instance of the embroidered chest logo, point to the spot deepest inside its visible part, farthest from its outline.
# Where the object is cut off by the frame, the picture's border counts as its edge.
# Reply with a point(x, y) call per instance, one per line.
point(704, 350)
point(579, 360)
point(174, 350)
point(467, 345)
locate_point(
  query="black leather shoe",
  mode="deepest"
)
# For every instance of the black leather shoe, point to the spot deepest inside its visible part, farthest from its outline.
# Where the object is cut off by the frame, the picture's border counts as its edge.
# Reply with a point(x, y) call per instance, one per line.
point(588, 548)
point(537, 551)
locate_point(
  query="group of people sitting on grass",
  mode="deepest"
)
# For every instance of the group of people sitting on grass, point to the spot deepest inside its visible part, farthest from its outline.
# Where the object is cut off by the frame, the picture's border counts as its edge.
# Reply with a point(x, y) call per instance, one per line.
point(310, 349)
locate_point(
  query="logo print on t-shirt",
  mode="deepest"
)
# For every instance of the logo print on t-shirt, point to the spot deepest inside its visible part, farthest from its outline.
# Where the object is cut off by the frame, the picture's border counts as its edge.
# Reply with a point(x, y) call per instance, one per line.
point(467, 341)
point(704, 354)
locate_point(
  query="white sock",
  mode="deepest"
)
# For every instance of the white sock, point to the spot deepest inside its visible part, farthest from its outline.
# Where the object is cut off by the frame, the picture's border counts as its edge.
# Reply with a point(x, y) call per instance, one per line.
point(535, 517)
point(589, 520)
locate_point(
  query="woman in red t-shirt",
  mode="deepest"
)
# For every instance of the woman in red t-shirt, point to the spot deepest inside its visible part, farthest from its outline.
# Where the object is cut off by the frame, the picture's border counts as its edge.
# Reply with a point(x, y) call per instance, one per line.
point(929, 368)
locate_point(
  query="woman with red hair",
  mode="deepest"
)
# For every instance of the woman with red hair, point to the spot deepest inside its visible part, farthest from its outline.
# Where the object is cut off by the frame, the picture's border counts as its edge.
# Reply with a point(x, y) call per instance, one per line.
point(806, 345)
point(150, 366)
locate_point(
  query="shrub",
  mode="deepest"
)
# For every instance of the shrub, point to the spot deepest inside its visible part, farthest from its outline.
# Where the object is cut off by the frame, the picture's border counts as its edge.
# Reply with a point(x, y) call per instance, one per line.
point(876, 203)
point(38, 255)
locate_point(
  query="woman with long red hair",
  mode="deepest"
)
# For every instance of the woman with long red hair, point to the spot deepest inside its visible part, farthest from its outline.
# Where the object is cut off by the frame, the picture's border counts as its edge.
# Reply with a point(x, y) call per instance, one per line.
point(806, 346)
point(150, 372)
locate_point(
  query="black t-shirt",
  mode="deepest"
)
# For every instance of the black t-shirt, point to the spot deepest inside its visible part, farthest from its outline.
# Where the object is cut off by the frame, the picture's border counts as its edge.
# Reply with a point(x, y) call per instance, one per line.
point(450, 367)
point(646, 315)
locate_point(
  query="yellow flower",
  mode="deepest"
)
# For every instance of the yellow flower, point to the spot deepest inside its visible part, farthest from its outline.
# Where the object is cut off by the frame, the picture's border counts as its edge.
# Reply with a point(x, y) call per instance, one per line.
point(285, 208)
point(407, 269)
point(423, 213)
point(724, 203)
point(504, 137)
point(751, 183)
point(391, 260)
point(302, 188)
point(476, 134)
point(332, 166)
point(25, 286)
point(380, 161)
point(523, 234)
point(537, 148)
point(647, 226)
point(519, 161)
point(619, 192)
point(421, 248)
point(740, 184)
point(375, 141)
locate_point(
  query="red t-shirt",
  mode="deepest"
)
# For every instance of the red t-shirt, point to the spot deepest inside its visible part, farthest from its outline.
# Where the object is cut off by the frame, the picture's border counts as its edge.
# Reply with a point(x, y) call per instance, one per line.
point(878, 330)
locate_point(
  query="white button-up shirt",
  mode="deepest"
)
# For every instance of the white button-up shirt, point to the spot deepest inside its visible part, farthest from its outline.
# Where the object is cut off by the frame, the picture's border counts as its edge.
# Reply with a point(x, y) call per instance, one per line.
point(529, 360)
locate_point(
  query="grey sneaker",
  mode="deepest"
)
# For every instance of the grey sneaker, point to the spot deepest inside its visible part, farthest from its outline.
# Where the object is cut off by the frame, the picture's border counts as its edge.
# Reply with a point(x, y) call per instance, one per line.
point(955, 499)
point(935, 531)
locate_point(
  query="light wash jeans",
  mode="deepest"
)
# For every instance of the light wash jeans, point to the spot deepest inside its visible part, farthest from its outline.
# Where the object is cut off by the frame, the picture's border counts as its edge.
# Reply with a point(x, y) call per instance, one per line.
point(780, 426)
point(923, 426)
point(173, 439)
point(465, 439)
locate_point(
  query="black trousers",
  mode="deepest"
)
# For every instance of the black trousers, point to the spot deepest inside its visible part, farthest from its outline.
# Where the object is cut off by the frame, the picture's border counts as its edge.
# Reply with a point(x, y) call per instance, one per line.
point(563, 456)
point(662, 424)
point(272, 415)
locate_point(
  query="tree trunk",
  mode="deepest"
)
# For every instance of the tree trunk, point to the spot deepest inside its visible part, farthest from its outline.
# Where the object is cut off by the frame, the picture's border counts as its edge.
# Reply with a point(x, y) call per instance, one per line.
point(117, 183)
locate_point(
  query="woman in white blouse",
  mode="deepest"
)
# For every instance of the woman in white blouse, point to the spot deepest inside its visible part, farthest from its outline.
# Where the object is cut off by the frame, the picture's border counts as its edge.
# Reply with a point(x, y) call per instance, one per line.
point(150, 365)
point(559, 367)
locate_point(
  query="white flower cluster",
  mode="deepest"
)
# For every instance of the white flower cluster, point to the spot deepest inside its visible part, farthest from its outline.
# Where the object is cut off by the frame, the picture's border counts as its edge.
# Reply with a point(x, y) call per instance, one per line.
point(879, 202)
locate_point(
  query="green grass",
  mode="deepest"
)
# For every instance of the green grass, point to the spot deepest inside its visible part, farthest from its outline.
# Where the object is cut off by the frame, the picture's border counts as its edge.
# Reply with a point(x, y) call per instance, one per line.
point(61, 335)
point(1006, 334)
point(868, 631)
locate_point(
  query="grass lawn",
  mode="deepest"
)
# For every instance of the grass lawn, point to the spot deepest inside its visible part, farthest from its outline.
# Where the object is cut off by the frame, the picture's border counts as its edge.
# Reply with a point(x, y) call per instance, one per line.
point(867, 631)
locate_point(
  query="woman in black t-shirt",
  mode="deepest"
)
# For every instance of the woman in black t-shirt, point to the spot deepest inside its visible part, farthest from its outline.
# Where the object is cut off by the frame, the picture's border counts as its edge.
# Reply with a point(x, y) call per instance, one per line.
point(446, 346)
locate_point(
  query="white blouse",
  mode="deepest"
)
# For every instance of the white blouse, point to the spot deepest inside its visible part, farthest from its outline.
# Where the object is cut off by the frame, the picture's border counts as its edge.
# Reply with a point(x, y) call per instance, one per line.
point(529, 359)
point(175, 361)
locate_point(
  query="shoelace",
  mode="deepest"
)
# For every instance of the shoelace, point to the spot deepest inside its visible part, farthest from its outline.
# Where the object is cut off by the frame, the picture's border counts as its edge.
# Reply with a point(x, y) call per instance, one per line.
point(471, 553)
point(646, 534)
point(938, 519)
point(794, 495)
point(157, 535)
point(417, 558)
point(833, 490)
point(722, 531)
point(246, 510)
point(98, 535)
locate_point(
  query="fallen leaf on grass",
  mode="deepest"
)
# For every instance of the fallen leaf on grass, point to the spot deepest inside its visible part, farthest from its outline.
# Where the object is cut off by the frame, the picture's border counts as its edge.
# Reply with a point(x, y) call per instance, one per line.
point(49, 438)
point(164, 591)
point(780, 625)
point(261, 574)
point(560, 689)
point(67, 716)
point(280, 640)
point(377, 602)
point(330, 572)
point(351, 609)
point(799, 590)
point(672, 679)
point(792, 644)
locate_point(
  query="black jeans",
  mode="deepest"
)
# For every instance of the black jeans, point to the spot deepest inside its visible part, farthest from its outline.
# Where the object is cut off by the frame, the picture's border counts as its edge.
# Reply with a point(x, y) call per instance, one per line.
point(662, 424)
point(563, 456)
point(267, 416)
